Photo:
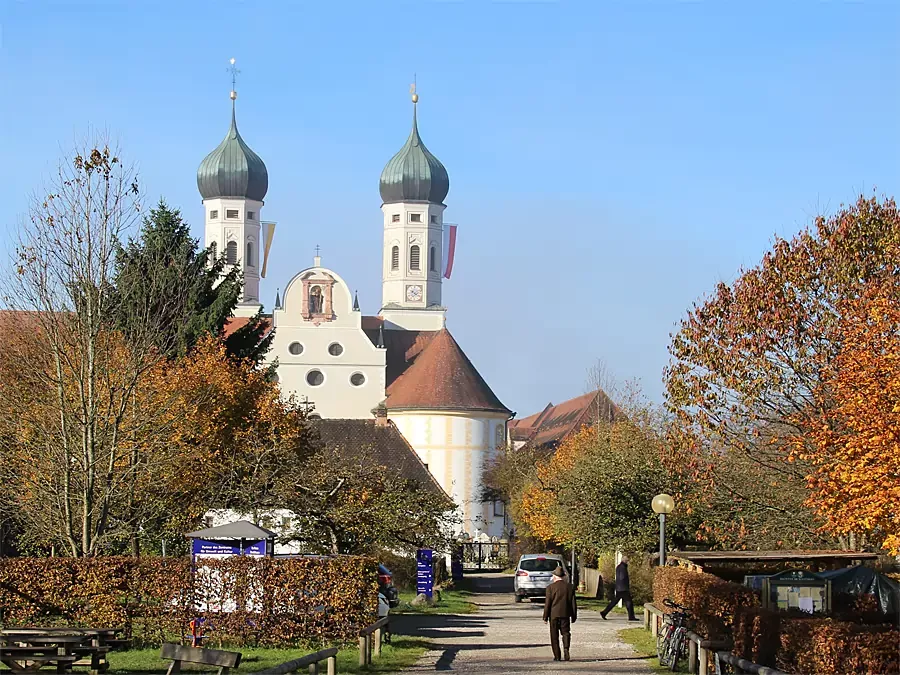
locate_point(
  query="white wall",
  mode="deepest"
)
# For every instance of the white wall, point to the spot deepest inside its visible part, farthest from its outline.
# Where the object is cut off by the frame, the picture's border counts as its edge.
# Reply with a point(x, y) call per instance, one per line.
point(220, 230)
point(336, 397)
point(456, 447)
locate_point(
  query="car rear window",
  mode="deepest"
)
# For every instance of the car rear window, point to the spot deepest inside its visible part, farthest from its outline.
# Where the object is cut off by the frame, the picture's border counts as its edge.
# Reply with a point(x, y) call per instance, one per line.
point(539, 564)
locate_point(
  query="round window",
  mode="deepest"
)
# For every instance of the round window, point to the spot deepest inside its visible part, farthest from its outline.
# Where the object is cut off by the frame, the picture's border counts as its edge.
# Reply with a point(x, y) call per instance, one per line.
point(335, 349)
point(314, 378)
point(295, 348)
point(357, 379)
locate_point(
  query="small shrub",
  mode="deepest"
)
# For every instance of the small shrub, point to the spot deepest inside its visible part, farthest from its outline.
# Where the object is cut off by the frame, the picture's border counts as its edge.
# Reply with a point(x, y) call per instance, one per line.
point(828, 647)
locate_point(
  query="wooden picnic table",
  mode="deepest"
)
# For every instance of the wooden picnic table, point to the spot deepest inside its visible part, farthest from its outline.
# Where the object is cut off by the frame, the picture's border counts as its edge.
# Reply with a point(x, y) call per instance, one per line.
point(27, 650)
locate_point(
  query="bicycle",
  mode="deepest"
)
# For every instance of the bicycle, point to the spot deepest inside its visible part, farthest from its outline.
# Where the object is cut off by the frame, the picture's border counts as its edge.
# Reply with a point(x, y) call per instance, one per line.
point(671, 643)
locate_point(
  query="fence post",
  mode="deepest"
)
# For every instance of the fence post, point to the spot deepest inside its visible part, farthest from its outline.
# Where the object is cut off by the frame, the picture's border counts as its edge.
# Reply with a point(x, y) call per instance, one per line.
point(332, 665)
point(692, 656)
point(378, 641)
point(363, 655)
point(313, 669)
point(704, 659)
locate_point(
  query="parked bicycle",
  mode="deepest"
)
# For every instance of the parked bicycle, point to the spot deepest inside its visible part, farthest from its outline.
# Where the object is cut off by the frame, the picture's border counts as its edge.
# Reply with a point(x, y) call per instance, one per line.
point(671, 643)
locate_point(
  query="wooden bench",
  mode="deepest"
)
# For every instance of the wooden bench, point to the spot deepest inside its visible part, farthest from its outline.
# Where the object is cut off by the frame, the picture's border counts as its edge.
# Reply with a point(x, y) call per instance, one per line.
point(208, 657)
point(310, 661)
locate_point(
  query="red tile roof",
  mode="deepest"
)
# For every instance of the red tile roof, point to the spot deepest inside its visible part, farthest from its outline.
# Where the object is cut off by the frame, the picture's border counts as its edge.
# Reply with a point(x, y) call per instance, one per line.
point(550, 427)
point(236, 322)
point(439, 377)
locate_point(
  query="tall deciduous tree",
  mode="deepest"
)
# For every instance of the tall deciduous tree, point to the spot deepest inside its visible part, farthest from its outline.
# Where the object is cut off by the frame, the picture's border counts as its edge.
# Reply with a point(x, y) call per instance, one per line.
point(164, 279)
point(853, 445)
point(747, 365)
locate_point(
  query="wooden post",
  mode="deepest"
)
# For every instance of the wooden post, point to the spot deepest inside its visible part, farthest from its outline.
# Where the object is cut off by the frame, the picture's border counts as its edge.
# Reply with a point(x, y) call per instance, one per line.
point(704, 660)
point(378, 641)
point(363, 656)
point(332, 665)
point(368, 649)
point(314, 668)
point(646, 619)
point(692, 657)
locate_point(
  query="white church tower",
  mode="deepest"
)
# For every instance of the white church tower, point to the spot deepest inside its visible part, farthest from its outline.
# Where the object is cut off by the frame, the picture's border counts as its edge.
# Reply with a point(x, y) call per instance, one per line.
point(413, 187)
point(233, 182)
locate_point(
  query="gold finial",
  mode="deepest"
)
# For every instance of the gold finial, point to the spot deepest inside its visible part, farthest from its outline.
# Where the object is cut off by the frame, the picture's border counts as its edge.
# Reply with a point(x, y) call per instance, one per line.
point(412, 90)
point(234, 73)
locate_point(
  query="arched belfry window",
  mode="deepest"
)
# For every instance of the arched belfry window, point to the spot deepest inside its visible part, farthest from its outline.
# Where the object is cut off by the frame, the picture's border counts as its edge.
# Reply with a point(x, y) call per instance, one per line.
point(213, 252)
point(231, 253)
point(250, 260)
point(431, 259)
point(414, 257)
point(395, 258)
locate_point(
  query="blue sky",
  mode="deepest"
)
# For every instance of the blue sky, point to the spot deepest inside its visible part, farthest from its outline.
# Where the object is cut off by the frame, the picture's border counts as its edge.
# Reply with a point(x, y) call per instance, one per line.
point(609, 162)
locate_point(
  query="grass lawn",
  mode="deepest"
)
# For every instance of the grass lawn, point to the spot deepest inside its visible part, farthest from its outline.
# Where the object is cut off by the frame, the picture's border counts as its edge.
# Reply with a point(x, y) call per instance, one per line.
point(644, 643)
point(402, 652)
point(452, 602)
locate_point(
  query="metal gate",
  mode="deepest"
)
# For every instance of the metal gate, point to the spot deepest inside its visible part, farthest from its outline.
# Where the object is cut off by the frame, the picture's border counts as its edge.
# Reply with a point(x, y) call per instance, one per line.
point(486, 556)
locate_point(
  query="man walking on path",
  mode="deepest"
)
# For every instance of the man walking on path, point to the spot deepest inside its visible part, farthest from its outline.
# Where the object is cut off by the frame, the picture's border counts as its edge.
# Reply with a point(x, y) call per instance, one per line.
point(559, 609)
point(623, 591)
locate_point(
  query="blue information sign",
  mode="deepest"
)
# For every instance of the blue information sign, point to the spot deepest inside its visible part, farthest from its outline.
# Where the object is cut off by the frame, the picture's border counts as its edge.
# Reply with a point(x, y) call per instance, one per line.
point(224, 548)
point(425, 572)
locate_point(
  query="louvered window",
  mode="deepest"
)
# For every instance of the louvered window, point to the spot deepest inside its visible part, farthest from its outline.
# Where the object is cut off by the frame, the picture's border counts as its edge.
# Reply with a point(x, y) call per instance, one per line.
point(395, 258)
point(231, 253)
point(232, 213)
point(414, 258)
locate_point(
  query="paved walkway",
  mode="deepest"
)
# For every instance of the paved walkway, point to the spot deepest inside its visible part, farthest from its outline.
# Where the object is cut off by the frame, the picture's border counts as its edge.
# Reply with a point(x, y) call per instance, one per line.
point(506, 638)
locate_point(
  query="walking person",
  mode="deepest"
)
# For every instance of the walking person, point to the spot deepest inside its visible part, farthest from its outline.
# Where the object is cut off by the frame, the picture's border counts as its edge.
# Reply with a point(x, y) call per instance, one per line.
point(623, 591)
point(560, 611)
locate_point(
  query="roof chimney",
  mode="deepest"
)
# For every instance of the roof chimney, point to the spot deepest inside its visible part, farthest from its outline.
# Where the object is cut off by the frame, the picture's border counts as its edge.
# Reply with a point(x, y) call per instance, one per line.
point(380, 412)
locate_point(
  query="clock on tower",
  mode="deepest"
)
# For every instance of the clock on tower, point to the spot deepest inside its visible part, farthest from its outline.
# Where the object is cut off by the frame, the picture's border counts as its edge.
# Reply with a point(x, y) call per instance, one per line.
point(414, 293)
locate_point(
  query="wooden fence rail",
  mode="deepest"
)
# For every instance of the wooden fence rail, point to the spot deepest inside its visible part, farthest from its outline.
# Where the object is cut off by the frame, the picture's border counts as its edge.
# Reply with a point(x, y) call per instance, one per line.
point(368, 635)
point(310, 661)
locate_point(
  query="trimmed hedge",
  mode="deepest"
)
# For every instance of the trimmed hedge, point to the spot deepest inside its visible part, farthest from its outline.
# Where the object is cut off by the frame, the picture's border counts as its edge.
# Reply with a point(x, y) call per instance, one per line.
point(828, 647)
point(244, 601)
point(711, 601)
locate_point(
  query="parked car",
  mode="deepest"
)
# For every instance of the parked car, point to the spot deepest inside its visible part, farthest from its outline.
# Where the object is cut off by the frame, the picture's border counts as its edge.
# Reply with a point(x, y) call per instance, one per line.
point(386, 586)
point(534, 573)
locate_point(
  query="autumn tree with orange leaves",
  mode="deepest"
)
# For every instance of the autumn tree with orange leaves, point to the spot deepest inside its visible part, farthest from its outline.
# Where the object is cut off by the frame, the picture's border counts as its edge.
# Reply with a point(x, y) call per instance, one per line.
point(853, 447)
point(752, 372)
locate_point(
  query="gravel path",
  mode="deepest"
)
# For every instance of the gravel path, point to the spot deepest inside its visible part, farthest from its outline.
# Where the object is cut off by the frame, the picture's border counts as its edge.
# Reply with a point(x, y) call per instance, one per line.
point(506, 638)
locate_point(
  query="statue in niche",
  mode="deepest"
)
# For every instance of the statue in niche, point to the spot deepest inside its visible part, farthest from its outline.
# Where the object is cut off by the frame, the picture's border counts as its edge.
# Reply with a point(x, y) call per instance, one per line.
point(315, 300)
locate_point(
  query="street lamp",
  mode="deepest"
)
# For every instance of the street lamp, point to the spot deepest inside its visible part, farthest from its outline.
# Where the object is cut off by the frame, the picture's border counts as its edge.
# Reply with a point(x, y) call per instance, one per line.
point(662, 504)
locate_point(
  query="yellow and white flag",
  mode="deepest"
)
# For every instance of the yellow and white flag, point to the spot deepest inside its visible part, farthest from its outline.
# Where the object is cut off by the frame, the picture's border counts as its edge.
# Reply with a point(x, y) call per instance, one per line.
point(269, 235)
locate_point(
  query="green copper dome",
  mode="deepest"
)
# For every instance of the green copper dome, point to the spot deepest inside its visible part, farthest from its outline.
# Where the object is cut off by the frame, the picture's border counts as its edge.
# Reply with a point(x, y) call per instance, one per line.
point(233, 170)
point(414, 174)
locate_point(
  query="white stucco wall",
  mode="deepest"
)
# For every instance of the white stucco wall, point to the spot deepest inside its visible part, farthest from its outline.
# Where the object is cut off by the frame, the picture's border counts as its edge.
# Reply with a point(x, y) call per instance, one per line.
point(336, 397)
point(242, 230)
point(456, 447)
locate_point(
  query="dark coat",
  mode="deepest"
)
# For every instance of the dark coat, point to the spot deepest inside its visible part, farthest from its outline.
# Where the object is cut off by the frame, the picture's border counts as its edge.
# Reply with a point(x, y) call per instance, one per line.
point(623, 583)
point(560, 603)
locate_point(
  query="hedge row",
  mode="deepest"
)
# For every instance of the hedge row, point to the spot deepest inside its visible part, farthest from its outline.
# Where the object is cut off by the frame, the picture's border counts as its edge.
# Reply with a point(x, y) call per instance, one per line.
point(711, 601)
point(244, 601)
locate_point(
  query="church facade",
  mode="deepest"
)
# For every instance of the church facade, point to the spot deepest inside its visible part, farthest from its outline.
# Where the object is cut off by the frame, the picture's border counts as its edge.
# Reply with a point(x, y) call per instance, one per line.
point(402, 363)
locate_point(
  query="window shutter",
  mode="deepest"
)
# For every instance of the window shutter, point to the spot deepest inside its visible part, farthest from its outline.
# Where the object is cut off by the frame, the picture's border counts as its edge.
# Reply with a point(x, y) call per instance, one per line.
point(414, 257)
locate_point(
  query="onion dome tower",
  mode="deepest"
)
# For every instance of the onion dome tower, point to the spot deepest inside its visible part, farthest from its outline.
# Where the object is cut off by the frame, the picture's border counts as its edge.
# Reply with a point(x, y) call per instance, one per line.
point(233, 182)
point(413, 187)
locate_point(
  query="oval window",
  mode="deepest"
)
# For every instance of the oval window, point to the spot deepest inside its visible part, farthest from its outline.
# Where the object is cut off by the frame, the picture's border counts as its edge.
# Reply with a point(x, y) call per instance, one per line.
point(335, 349)
point(357, 379)
point(295, 348)
point(314, 378)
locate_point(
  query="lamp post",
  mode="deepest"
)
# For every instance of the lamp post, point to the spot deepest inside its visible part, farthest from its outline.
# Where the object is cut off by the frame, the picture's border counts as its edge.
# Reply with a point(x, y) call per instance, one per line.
point(662, 504)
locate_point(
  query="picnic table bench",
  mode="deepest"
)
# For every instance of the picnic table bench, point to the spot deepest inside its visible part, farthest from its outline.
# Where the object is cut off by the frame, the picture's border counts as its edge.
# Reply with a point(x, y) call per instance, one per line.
point(210, 657)
point(31, 649)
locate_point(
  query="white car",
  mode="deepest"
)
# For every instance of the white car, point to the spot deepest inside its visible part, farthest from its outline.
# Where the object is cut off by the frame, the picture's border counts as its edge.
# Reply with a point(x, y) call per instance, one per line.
point(534, 573)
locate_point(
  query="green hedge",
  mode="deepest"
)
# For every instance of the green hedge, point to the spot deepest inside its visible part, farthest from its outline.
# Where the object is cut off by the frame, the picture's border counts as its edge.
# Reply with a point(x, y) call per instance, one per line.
point(244, 601)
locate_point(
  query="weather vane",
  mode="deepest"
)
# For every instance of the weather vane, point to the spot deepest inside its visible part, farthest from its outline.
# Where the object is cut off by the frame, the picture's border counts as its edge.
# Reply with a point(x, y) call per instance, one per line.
point(412, 90)
point(234, 73)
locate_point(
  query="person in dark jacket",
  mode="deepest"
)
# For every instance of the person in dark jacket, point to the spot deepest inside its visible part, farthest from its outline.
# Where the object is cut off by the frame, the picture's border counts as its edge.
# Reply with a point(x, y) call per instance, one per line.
point(560, 611)
point(623, 591)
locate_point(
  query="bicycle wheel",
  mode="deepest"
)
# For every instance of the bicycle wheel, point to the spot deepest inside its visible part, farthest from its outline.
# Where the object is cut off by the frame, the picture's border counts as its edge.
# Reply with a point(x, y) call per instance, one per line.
point(663, 642)
point(675, 649)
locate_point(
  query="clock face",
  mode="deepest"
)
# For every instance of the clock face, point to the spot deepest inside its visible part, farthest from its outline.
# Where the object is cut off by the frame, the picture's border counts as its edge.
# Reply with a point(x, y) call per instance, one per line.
point(413, 293)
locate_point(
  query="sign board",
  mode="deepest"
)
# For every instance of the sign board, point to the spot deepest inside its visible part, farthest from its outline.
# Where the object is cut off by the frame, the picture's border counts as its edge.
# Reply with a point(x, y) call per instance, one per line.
point(425, 572)
point(205, 548)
